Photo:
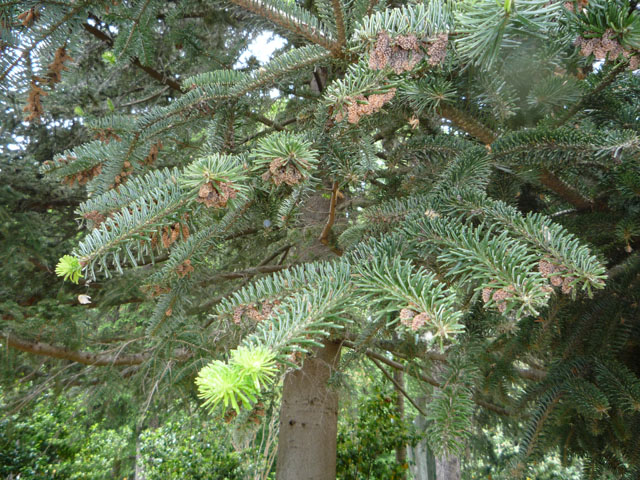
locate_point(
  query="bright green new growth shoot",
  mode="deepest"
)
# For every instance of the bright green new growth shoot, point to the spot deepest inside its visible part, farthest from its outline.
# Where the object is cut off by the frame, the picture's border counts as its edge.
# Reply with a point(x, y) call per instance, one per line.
point(237, 383)
point(69, 267)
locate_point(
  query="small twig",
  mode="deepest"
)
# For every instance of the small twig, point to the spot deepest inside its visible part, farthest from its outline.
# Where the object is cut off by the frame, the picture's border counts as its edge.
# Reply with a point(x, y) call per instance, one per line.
point(608, 80)
point(252, 271)
point(337, 12)
point(563, 212)
point(274, 255)
point(324, 236)
point(489, 406)
point(161, 77)
point(155, 386)
point(145, 99)
point(269, 123)
point(392, 363)
point(136, 22)
point(284, 255)
point(280, 126)
point(203, 307)
point(398, 386)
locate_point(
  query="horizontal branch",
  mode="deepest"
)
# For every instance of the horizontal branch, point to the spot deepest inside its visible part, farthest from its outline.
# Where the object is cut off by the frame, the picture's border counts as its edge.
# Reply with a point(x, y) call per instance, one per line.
point(86, 358)
point(250, 272)
point(273, 126)
point(535, 374)
point(486, 136)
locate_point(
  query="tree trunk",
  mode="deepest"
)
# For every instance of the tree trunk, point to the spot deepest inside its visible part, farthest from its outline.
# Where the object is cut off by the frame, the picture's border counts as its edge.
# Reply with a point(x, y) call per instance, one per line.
point(309, 419)
point(422, 462)
point(425, 466)
point(401, 450)
point(448, 468)
point(139, 467)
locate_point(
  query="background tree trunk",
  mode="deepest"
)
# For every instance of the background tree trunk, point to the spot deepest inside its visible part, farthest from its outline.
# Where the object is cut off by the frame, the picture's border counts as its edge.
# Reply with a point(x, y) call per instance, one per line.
point(139, 467)
point(401, 450)
point(309, 419)
point(448, 468)
point(422, 462)
point(424, 465)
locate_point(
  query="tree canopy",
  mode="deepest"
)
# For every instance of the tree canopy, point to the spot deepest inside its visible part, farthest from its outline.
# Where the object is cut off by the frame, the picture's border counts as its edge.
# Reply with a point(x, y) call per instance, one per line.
point(446, 188)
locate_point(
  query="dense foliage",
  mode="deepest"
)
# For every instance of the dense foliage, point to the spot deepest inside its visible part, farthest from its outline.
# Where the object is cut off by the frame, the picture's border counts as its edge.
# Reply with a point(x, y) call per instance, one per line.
point(60, 439)
point(367, 441)
point(180, 449)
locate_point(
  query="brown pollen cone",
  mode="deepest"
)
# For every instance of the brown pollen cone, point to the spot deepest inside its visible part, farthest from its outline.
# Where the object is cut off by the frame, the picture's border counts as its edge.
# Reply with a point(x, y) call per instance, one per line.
point(217, 195)
point(280, 171)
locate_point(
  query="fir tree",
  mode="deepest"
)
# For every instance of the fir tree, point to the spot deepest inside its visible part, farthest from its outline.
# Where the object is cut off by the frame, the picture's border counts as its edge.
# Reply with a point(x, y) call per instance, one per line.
point(454, 185)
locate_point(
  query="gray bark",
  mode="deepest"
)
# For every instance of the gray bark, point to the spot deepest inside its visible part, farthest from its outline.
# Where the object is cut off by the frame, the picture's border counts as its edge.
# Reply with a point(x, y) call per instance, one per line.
point(139, 468)
point(448, 468)
point(424, 465)
point(401, 451)
point(309, 419)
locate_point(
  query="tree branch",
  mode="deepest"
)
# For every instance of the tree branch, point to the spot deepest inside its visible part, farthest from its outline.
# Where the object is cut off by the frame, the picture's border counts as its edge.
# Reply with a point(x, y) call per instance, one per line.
point(337, 11)
point(86, 358)
point(532, 373)
point(287, 21)
point(564, 191)
point(146, 99)
point(608, 80)
point(161, 77)
point(273, 125)
point(371, 6)
point(467, 123)
point(398, 366)
point(249, 272)
point(283, 249)
point(482, 133)
point(398, 386)
point(324, 236)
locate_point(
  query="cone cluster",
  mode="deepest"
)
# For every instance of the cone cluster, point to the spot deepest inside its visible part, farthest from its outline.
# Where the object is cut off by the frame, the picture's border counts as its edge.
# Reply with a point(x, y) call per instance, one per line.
point(251, 311)
point(216, 194)
point(280, 171)
point(557, 275)
point(403, 52)
point(414, 320)
point(360, 106)
point(607, 48)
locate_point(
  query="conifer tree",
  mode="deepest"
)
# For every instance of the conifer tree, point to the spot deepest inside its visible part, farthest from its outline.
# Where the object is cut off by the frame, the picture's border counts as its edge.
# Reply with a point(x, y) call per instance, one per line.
point(449, 188)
